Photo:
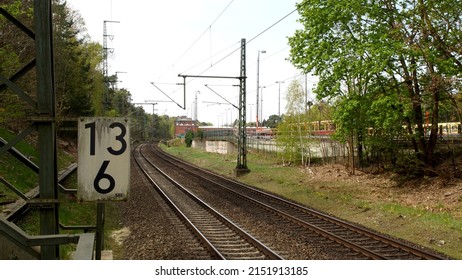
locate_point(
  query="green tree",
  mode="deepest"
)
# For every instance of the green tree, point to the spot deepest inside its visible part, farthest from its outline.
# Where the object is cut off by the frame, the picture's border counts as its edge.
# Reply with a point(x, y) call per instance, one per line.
point(120, 101)
point(287, 141)
point(163, 128)
point(189, 138)
point(160, 129)
point(16, 51)
point(78, 77)
point(368, 53)
point(273, 121)
point(292, 132)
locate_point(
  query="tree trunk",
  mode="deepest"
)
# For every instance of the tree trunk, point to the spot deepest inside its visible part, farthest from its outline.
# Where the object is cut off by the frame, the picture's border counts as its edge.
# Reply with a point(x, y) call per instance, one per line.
point(413, 89)
point(352, 154)
point(435, 89)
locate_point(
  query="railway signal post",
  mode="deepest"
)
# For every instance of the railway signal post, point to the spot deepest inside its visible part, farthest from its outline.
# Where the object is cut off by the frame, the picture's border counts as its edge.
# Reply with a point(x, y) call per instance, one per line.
point(103, 159)
point(104, 165)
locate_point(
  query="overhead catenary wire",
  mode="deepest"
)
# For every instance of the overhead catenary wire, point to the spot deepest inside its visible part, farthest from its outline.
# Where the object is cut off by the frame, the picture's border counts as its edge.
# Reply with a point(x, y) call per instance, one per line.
point(271, 26)
point(208, 29)
point(254, 64)
point(196, 65)
point(248, 42)
point(281, 80)
point(218, 53)
point(234, 50)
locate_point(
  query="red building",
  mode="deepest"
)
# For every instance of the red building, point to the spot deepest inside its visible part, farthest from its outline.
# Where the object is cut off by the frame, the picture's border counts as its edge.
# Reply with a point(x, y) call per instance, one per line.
point(183, 125)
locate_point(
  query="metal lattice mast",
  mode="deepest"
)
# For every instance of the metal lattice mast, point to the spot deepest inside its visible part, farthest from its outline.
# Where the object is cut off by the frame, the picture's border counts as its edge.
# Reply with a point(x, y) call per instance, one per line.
point(48, 174)
point(105, 69)
point(241, 167)
point(105, 65)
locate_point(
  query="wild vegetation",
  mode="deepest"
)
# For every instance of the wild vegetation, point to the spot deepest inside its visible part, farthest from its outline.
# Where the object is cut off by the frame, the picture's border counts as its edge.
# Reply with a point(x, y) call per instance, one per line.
point(426, 211)
point(80, 86)
point(79, 81)
point(391, 69)
point(388, 70)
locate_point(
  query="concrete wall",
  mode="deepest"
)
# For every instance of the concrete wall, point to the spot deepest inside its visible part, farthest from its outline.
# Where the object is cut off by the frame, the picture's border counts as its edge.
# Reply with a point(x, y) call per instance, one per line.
point(324, 148)
point(198, 144)
point(220, 147)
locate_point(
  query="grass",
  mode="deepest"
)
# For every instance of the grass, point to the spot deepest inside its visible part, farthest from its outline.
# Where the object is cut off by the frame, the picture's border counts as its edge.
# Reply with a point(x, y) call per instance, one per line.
point(73, 213)
point(441, 231)
point(17, 174)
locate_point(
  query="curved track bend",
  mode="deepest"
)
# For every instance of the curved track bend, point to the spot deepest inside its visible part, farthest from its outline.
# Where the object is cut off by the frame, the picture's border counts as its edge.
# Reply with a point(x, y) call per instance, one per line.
point(221, 237)
point(364, 243)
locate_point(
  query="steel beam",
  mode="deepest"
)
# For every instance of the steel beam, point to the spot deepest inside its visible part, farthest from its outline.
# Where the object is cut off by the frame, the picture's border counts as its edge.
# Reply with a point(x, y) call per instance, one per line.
point(16, 22)
point(48, 176)
point(6, 147)
point(20, 74)
point(16, 89)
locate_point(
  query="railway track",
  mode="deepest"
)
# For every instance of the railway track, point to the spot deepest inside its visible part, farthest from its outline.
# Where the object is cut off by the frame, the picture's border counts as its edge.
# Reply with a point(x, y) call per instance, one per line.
point(222, 238)
point(364, 243)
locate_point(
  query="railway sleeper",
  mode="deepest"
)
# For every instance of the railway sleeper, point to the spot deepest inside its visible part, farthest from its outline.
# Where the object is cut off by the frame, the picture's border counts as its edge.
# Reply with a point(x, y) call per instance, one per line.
point(226, 242)
point(362, 240)
point(391, 252)
point(219, 234)
point(247, 258)
point(214, 227)
point(244, 255)
point(240, 253)
point(230, 246)
point(221, 240)
point(381, 246)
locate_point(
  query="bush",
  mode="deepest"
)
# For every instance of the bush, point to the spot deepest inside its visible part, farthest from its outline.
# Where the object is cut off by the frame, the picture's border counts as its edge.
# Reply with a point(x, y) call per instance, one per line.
point(189, 138)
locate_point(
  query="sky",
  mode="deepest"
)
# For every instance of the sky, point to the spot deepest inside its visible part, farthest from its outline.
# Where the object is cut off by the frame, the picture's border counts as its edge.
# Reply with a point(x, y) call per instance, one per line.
point(155, 41)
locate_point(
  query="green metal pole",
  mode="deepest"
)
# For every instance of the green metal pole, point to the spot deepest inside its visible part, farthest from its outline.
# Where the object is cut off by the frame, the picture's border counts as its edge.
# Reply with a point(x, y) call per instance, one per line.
point(48, 175)
point(100, 219)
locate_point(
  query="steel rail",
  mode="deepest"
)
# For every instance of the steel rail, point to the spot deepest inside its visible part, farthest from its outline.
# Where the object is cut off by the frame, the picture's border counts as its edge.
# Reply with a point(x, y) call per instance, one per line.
point(311, 212)
point(249, 239)
point(206, 243)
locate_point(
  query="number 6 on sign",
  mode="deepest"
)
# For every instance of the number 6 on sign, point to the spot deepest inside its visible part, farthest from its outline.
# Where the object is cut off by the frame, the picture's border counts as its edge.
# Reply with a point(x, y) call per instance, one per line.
point(103, 159)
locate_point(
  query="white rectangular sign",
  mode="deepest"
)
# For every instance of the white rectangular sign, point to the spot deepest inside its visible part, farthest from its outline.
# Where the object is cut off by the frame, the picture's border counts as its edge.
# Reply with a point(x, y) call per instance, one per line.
point(103, 159)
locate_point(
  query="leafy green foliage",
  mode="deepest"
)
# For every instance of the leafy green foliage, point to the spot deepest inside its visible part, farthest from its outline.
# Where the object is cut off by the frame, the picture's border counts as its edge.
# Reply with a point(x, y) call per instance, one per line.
point(272, 121)
point(17, 174)
point(163, 126)
point(292, 131)
point(189, 138)
point(12, 110)
point(79, 82)
point(77, 77)
point(386, 65)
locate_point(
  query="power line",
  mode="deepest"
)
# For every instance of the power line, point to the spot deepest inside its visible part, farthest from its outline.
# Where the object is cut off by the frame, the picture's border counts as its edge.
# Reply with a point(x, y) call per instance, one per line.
point(209, 28)
point(222, 51)
point(232, 52)
point(273, 54)
point(271, 26)
point(255, 37)
point(194, 66)
point(282, 80)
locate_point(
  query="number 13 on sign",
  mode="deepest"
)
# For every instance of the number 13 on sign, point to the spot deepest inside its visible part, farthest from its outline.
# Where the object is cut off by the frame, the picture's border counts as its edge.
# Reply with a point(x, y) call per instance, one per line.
point(103, 159)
